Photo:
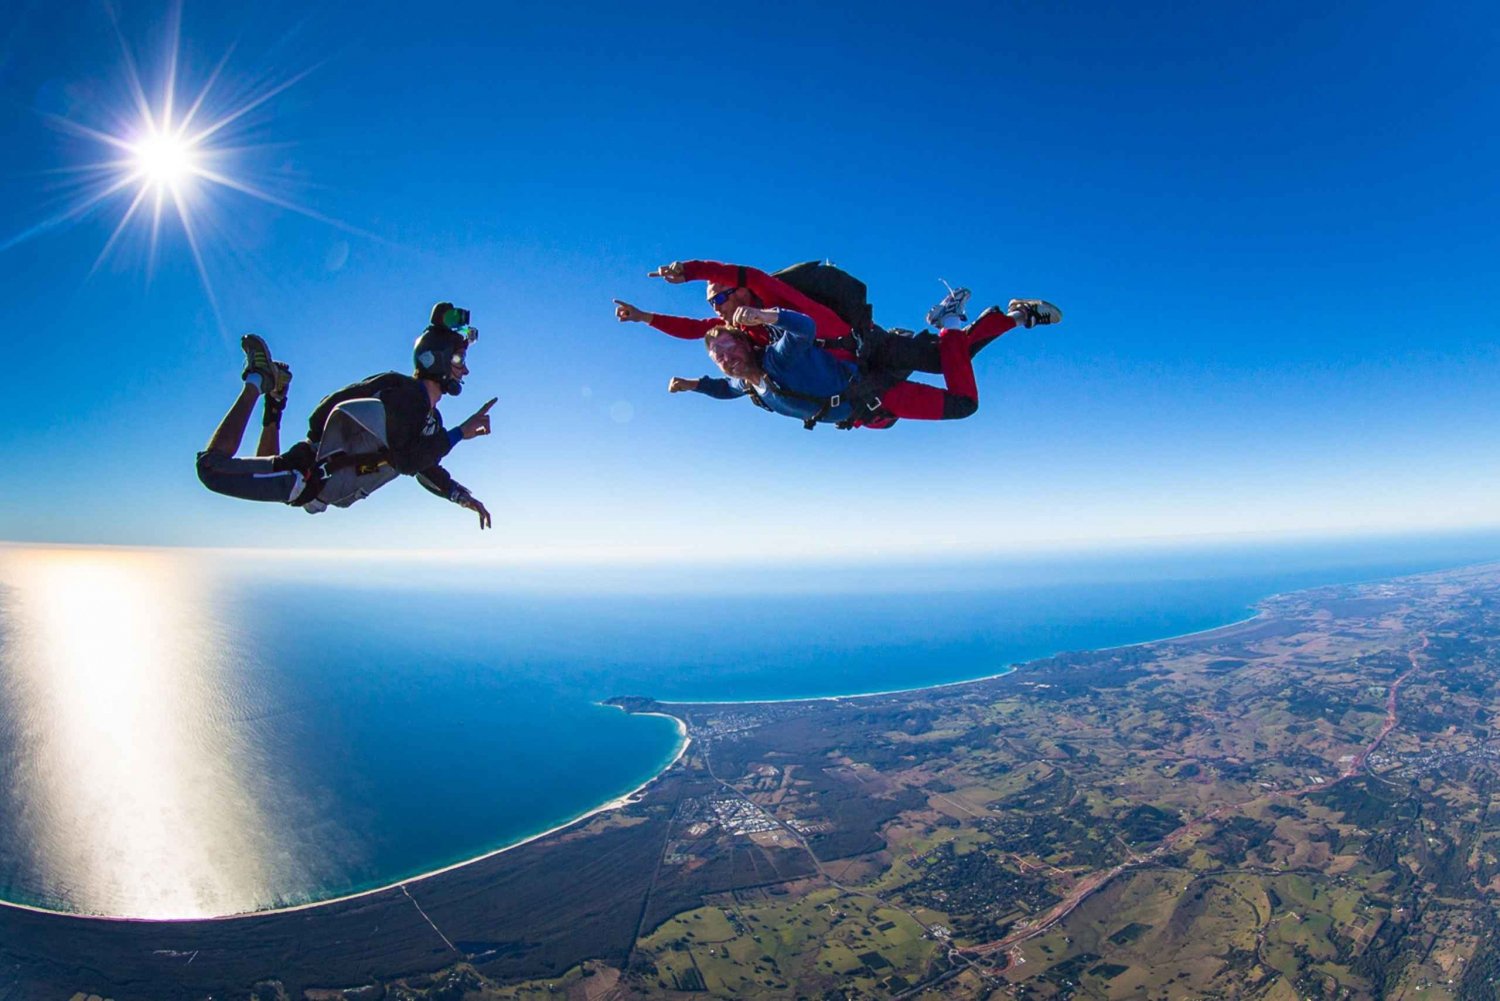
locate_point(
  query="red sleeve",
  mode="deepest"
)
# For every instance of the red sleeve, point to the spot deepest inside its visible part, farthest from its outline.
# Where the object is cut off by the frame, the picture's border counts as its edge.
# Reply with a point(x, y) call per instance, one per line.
point(711, 271)
point(681, 326)
point(772, 291)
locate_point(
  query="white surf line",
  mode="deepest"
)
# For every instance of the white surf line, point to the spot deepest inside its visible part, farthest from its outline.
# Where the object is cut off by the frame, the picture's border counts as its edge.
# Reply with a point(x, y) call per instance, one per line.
point(429, 921)
point(623, 800)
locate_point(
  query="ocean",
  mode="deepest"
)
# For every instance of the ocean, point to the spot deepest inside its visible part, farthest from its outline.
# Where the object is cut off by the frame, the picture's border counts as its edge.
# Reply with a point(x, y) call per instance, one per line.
point(196, 734)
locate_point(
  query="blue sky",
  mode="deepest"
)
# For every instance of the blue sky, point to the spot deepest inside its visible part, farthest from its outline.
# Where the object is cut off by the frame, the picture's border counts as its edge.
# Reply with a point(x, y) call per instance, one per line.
point(1272, 233)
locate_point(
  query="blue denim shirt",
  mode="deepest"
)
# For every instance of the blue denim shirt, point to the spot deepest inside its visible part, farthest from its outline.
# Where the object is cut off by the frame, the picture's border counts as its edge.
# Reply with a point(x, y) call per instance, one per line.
point(793, 360)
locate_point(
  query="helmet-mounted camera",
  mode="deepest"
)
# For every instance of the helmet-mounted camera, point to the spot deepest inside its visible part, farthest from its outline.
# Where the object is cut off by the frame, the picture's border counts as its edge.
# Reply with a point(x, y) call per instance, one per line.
point(456, 319)
point(441, 347)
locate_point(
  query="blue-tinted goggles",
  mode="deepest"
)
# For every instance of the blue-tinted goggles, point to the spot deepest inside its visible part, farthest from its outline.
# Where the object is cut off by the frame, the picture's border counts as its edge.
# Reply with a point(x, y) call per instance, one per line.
point(722, 297)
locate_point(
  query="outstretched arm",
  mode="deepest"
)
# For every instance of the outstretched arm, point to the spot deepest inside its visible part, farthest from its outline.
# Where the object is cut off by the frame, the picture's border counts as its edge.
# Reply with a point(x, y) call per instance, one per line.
point(677, 326)
point(438, 481)
point(719, 389)
point(770, 290)
point(683, 327)
point(626, 313)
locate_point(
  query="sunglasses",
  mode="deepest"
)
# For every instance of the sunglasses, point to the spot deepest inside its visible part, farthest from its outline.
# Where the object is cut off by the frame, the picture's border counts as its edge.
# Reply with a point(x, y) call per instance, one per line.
point(722, 297)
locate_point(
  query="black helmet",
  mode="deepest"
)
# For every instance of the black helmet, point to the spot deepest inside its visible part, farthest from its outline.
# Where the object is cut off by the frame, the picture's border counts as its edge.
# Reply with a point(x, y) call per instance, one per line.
point(440, 346)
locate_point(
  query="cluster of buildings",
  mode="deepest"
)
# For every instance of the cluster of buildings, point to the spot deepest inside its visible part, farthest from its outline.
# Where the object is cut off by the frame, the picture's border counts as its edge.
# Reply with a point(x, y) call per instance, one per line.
point(739, 816)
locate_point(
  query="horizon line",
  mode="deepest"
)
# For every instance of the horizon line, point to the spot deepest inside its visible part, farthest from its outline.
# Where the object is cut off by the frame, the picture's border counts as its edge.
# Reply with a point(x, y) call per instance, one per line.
point(659, 555)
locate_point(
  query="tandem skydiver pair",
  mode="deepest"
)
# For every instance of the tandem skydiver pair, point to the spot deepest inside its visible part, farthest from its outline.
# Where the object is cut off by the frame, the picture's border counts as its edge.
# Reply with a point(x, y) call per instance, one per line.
point(803, 343)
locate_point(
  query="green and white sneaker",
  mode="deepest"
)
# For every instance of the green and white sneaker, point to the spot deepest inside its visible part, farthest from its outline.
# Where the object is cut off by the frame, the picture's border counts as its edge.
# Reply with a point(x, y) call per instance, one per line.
point(278, 391)
point(1035, 312)
point(273, 400)
point(258, 361)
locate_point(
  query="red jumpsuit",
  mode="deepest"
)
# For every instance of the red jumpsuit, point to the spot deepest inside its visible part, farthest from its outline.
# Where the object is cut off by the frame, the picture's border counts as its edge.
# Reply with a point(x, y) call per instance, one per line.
point(912, 400)
point(772, 293)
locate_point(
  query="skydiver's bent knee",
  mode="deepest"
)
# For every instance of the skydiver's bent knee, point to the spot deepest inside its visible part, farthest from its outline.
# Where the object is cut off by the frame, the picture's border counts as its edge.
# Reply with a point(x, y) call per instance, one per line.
point(956, 408)
point(257, 479)
point(211, 469)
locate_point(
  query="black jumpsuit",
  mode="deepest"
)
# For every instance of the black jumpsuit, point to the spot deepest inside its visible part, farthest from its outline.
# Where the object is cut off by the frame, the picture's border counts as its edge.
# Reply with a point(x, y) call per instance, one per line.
point(416, 441)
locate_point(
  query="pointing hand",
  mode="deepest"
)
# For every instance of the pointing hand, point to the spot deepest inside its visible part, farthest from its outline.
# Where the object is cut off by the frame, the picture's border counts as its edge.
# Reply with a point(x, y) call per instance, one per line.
point(672, 273)
point(480, 423)
point(626, 313)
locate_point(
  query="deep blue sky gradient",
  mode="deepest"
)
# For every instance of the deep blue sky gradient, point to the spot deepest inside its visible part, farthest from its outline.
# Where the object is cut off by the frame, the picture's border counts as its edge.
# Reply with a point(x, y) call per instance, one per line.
point(1272, 231)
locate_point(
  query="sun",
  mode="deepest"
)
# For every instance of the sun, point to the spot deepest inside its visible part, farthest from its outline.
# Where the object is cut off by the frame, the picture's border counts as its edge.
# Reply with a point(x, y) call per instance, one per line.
point(165, 162)
point(172, 155)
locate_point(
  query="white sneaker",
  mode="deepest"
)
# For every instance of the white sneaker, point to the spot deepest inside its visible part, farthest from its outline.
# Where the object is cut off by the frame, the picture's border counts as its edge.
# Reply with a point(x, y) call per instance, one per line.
point(1035, 312)
point(952, 306)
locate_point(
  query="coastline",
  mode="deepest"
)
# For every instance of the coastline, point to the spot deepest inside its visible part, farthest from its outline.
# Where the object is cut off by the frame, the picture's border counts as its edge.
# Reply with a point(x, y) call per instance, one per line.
point(1258, 613)
point(683, 742)
point(624, 799)
point(1008, 669)
point(1003, 672)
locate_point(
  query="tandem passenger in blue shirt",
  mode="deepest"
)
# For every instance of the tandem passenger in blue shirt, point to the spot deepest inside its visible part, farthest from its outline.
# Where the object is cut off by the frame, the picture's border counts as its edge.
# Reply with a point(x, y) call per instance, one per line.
point(794, 376)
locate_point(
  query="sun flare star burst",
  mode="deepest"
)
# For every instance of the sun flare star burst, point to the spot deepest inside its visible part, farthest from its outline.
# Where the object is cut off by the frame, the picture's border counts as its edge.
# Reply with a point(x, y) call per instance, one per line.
point(165, 160)
point(165, 157)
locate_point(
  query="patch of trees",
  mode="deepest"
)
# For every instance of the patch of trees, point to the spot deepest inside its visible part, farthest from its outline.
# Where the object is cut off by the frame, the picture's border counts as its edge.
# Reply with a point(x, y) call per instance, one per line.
point(1386, 958)
point(1075, 836)
point(1481, 979)
point(1108, 971)
point(1364, 802)
point(857, 819)
point(1072, 675)
point(1070, 969)
point(1146, 823)
point(1313, 703)
point(1129, 933)
point(1237, 837)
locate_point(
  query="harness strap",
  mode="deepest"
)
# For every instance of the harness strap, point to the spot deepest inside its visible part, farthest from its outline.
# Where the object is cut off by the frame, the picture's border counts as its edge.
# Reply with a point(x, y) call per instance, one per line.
point(824, 403)
point(363, 465)
point(848, 343)
point(864, 390)
point(312, 485)
point(755, 398)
